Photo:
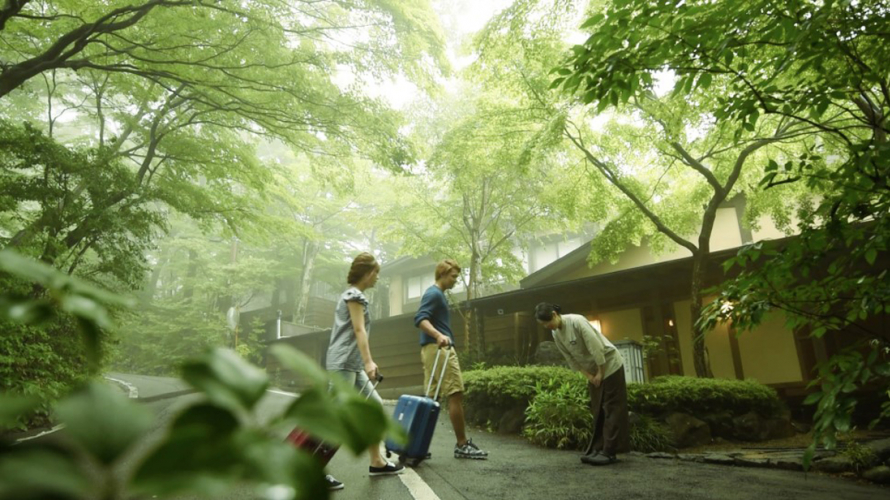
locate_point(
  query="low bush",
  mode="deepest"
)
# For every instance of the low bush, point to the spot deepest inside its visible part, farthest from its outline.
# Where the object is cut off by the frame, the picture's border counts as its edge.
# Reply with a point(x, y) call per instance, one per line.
point(648, 435)
point(862, 457)
point(559, 417)
point(555, 403)
point(700, 396)
point(492, 392)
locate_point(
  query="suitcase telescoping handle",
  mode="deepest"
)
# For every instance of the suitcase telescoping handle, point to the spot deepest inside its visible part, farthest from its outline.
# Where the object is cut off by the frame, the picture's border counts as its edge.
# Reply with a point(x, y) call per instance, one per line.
point(379, 379)
point(441, 375)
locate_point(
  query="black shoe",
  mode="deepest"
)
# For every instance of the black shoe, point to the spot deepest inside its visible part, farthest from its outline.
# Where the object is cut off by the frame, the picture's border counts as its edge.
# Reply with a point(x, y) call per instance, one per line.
point(388, 469)
point(333, 484)
point(599, 459)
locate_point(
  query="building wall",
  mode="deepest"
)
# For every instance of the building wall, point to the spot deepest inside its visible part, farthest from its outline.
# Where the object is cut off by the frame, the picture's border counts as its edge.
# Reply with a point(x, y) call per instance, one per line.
point(720, 353)
point(768, 230)
point(716, 342)
point(396, 295)
point(769, 353)
point(621, 325)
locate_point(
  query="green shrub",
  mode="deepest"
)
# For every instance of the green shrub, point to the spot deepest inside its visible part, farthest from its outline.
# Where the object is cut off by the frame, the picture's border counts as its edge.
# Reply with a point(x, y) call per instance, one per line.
point(648, 435)
point(862, 457)
point(556, 403)
point(559, 417)
point(699, 396)
point(492, 392)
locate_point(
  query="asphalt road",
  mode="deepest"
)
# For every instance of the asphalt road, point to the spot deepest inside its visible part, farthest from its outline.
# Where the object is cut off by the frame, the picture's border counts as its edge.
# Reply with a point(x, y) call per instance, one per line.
point(518, 470)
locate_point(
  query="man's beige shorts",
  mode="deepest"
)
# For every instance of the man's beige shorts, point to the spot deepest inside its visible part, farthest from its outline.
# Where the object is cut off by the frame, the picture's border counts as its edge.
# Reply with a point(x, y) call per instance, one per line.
point(452, 383)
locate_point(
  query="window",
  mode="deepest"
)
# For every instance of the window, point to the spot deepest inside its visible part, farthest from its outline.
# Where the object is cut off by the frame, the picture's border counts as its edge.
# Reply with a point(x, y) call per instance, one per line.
point(416, 285)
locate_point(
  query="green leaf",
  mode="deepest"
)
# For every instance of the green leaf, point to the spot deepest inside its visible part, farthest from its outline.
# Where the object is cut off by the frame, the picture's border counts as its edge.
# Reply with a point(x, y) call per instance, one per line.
point(103, 421)
point(704, 81)
point(842, 422)
point(199, 455)
point(316, 412)
point(365, 422)
point(300, 364)
point(813, 398)
point(42, 472)
point(275, 462)
point(808, 455)
point(13, 408)
point(593, 20)
point(870, 255)
point(226, 379)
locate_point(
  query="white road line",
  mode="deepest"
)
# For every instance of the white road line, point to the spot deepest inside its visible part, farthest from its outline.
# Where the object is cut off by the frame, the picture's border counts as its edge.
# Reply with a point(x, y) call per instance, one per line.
point(133, 391)
point(416, 486)
point(275, 391)
point(44, 433)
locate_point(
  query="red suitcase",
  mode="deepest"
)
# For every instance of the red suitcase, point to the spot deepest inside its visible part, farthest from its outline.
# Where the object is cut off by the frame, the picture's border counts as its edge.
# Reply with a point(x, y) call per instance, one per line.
point(325, 452)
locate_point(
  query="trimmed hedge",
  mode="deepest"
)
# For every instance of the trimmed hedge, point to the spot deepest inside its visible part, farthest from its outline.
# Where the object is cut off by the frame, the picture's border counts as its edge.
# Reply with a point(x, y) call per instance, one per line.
point(494, 391)
point(699, 396)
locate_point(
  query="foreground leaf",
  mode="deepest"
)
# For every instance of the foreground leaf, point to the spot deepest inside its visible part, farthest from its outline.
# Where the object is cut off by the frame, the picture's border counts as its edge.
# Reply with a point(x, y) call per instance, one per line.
point(226, 379)
point(103, 421)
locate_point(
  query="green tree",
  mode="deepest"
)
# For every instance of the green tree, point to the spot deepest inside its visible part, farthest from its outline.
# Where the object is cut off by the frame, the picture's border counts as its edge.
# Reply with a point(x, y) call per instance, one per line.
point(479, 196)
point(817, 63)
point(660, 166)
point(167, 99)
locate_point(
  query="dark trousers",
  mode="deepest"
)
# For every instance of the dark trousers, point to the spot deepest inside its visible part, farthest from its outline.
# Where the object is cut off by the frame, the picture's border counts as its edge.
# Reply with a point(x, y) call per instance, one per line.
point(608, 404)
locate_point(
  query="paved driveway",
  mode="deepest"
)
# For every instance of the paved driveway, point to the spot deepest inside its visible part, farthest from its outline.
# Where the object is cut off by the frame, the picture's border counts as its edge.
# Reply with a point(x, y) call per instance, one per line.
point(518, 470)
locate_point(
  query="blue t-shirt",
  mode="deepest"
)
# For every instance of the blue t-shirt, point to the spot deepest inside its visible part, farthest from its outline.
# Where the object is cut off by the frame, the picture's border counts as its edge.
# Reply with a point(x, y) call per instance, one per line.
point(434, 308)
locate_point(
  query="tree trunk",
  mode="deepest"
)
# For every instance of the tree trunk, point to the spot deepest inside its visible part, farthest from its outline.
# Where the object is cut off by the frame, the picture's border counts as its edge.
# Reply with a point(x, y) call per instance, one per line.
point(310, 252)
point(190, 275)
point(699, 352)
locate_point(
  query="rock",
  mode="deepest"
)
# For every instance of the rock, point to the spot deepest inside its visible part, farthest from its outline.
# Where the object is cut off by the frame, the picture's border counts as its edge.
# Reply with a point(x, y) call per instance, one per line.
point(879, 474)
point(834, 465)
point(752, 462)
point(881, 447)
point(511, 421)
point(719, 459)
point(788, 463)
point(687, 430)
point(660, 454)
point(633, 419)
point(720, 423)
point(749, 427)
point(778, 428)
point(548, 354)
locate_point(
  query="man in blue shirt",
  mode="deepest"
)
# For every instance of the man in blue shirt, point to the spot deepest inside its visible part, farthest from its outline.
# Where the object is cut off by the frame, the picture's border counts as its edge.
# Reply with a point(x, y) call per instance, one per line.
point(434, 320)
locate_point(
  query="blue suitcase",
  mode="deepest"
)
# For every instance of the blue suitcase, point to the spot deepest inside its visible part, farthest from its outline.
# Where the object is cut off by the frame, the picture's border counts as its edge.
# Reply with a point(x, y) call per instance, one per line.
point(418, 416)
